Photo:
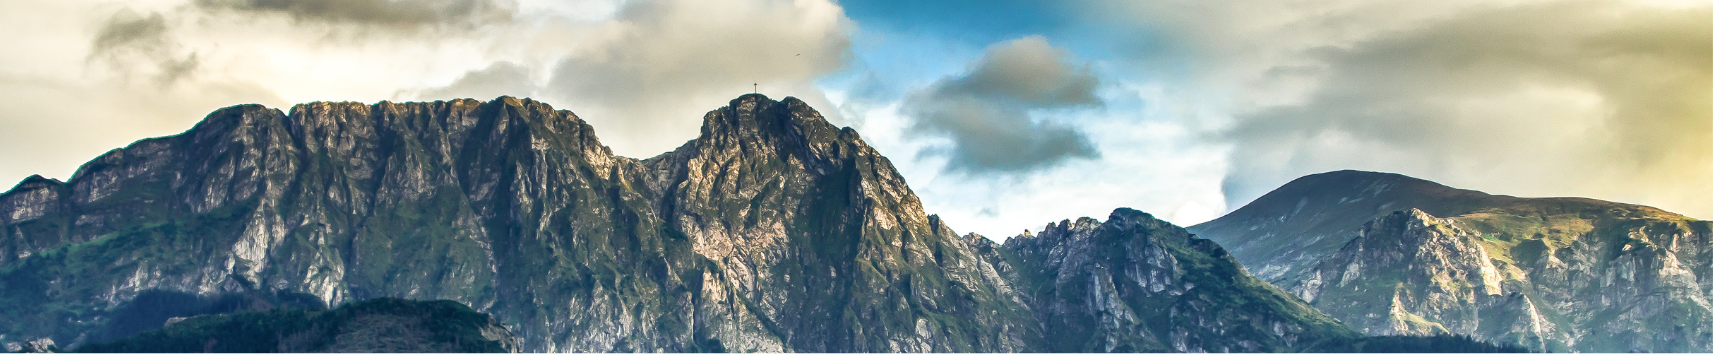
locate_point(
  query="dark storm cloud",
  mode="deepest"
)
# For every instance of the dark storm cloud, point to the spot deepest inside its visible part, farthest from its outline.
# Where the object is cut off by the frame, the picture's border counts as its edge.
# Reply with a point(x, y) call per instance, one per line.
point(1596, 97)
point(989, 113)
point(132, 44)
point(127, 28)
point(414, 14)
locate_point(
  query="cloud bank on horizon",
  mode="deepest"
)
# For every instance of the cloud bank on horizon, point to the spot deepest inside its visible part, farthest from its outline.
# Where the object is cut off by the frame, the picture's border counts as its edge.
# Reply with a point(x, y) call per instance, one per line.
point(1002, 114)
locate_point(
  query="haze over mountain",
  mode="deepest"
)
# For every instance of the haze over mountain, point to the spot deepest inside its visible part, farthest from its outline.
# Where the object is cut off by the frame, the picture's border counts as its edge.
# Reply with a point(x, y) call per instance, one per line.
point(771, 231)
point(1391, 254)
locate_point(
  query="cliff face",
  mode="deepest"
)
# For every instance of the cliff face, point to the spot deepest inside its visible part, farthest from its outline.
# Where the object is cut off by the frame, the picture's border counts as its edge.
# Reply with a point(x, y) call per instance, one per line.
point(1136, 283)
point(1440, 279)
point(1556, 274)
point(815, 243)
point(772, 231)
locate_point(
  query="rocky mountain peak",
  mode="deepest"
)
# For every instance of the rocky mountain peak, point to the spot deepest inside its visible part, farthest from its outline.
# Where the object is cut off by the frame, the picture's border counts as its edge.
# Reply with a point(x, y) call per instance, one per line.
point(772, 231)
point(36, 181)
point(1137, 283)
point(28, 201)
point(1434, 250)
point(1413, 222)
point(788, 128)
point(1125, 218)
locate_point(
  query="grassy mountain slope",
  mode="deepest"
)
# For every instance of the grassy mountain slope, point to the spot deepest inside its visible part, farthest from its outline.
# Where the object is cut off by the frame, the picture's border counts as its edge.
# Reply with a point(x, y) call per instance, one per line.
point(1552, 274)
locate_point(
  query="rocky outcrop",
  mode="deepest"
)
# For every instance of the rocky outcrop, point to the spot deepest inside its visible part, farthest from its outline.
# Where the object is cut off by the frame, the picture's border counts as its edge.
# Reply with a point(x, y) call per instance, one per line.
point(1549, 274)
point(1136, 283)
point(1433, 278)
point(39, 345)
point(33, 215)
point(771, 231)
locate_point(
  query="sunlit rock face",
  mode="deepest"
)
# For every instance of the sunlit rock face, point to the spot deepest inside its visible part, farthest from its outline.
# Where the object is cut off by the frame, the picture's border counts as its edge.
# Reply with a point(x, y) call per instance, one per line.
point(771, 231)
point(1553, 274)
point(1137, 283)
point(1439, 273)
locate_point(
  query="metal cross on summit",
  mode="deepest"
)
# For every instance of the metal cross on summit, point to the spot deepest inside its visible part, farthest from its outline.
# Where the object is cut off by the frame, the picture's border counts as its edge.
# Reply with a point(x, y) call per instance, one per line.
point(755, 87)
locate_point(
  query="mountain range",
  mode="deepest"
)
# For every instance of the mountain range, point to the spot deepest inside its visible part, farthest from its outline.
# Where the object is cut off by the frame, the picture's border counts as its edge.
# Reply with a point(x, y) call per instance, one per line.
point(775, 230)
point(1389, 254)
point(771, 231)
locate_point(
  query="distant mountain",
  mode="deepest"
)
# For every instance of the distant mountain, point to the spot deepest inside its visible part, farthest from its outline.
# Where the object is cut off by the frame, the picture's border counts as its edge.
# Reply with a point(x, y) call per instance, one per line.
point(1289, 230)
point(384, 325)
point(771, 231)
point(1389, 254)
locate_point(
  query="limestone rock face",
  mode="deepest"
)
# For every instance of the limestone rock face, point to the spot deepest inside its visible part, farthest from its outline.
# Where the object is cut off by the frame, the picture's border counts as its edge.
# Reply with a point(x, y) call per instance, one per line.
point(41, 345)
point(1136, 283)
point(1549, 274)
point(33, 213)
point(771, 231)
point(1439, 273)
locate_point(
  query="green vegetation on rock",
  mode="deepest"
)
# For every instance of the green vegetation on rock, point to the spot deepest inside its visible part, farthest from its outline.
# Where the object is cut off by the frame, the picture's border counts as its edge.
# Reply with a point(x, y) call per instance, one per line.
point(1417, 344)
point(384, 325)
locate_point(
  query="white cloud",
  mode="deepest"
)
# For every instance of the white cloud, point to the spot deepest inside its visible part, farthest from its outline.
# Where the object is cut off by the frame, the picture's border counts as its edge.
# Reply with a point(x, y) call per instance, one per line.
point(96, 75)
point(1151, 161)
point(66, 95)
point(1602, 99)
point(646, 77)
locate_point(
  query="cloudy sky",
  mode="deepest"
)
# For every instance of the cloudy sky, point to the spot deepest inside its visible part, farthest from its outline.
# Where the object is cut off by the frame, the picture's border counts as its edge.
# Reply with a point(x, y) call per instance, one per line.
point(1002, 114)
